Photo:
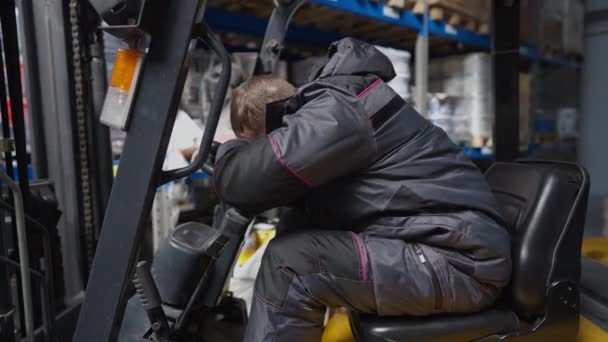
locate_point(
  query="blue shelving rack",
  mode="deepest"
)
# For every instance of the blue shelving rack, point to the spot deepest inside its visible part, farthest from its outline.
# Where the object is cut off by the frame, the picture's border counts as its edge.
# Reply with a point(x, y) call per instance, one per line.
point(236, 22)
point(251, 25)
point(405, 18)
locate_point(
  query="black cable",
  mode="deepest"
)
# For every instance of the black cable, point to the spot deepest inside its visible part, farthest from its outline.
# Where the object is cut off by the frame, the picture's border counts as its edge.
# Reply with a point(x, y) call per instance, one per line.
point(199, 287)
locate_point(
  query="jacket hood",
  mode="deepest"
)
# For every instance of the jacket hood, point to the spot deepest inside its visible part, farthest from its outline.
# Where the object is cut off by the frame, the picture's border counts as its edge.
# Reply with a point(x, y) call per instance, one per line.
point(350, 56)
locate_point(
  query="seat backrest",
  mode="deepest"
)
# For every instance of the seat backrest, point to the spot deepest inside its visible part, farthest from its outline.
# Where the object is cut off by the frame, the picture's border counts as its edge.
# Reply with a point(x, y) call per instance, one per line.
point(544, 205)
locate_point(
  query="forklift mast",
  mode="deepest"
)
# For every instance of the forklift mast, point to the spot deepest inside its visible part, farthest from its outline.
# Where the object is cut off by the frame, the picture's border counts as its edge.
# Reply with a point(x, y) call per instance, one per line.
point(169, 27)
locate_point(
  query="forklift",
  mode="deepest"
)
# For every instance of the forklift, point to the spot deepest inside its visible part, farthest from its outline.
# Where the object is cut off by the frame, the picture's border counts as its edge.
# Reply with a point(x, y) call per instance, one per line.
point(180, 295)
point(187, 276)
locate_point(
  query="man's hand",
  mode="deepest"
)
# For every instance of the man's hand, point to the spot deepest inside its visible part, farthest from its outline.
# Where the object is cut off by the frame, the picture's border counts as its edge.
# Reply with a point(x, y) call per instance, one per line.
point(189, 153)
point(192, 152)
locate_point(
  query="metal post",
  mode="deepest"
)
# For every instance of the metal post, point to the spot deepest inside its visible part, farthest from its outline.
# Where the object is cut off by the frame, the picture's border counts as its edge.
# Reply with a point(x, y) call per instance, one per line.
point(6, 127)
point(275, 35)
point(102, 152)
point(49, 35)
point(505, 63)
point(7, 310)
point(154, 110)
point(594, 120)
point(6, 306)
point(422, 63)
point(32, 87)
point(13, 76)
point(24, 261)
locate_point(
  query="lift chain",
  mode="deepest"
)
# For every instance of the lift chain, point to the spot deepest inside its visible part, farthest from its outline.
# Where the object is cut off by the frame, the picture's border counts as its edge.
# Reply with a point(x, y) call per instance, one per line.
point(81, 122)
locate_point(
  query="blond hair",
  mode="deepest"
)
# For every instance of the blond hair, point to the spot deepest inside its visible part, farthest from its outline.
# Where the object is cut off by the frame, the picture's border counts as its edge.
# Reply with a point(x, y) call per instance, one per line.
point(249, 100)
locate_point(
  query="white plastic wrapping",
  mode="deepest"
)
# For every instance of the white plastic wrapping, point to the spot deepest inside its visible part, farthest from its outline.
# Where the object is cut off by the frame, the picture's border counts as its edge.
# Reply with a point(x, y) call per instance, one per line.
point(401, 63)
point(467, 78)
point(246, 270)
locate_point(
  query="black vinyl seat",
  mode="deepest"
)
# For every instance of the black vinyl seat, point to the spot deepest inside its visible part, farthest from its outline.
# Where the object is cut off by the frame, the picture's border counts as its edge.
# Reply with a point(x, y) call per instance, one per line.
point(544, 205)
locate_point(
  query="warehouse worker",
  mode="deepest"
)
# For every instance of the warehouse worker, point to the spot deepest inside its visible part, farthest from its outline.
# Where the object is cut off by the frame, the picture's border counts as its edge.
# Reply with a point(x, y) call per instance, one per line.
point(395, 218)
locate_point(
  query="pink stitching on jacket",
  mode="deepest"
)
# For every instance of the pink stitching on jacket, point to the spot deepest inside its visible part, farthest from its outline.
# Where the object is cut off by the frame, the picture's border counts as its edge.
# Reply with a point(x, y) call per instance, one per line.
point(360, 248)
point(368, 89)
point(275, 150)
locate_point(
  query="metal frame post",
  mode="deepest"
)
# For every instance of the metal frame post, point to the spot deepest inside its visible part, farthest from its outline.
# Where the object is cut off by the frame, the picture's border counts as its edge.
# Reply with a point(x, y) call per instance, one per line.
point(24, 263)
point(593, 114)
point(422, 63)
point(13, 76)
point(275, 35)
point(46, 29)
point(155, 106)
point(505, 63)
point(101, 154)
point(7, 309)
point(32, 87)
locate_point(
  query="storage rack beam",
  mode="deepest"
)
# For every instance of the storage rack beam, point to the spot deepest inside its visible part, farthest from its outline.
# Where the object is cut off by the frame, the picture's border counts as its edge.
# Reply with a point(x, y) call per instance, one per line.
point(533, 54)
point(405, 18)
point(236, 22)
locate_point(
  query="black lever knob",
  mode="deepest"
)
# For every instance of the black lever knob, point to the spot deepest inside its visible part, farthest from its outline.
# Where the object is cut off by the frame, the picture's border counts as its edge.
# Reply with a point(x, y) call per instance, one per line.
point(150, 299)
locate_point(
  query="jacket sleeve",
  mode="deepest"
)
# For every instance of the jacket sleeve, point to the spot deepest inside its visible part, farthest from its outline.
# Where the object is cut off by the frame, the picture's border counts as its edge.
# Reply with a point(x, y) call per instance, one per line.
point(328, 137)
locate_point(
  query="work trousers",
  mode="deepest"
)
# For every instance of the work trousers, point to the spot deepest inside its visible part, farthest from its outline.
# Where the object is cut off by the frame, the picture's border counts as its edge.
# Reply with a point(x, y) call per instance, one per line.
point(304, 272)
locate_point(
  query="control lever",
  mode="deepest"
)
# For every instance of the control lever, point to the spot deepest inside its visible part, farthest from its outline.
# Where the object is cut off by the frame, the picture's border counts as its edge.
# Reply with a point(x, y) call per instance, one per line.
point(150, 299)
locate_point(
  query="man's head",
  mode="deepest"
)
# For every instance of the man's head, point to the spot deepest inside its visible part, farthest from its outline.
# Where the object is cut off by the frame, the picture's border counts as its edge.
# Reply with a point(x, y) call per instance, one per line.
point(249, 100)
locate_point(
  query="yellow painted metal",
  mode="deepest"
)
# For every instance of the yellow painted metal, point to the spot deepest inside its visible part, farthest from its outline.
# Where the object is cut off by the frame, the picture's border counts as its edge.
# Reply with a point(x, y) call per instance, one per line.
point(589, 332)
point(337, 329)
point(596, 248)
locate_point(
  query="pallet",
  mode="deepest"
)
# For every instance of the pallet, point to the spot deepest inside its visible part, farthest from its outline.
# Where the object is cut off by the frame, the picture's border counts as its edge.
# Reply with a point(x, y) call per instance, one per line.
point(348, 24)
point(560, 53)
point(333, 20)
point(480, 141)
point(402, 4)
point(455, 14)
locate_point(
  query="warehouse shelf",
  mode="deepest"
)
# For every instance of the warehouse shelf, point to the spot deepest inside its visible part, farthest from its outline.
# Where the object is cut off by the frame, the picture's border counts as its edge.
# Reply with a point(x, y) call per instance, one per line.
point(321, 22)
point(30, 171)
point(234, 21)
point(532, 53)
point(408, 19)
point(477, 152)
point(487, 153)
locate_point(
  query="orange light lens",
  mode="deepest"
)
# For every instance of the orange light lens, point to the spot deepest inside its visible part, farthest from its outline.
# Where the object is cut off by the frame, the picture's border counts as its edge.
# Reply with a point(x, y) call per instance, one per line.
point(124, 68)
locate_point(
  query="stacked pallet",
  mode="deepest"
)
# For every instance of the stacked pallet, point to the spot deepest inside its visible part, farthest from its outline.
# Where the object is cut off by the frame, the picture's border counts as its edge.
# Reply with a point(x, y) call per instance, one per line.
point(561, 27)
point(329, 19)
point(462, 102)
point(473, 15)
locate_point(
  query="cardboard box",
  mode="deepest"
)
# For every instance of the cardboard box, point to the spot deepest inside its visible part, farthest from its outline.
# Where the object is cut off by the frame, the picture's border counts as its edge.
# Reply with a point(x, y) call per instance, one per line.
point(473, 9)
point(528, 22)
point(561, 25)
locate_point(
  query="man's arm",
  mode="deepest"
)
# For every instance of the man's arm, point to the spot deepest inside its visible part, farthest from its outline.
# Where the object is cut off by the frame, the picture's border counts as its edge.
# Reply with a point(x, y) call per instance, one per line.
point(330, 136)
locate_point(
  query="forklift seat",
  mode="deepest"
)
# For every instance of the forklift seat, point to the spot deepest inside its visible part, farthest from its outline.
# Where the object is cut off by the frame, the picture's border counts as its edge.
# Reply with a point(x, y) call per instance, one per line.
point(544, 206)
